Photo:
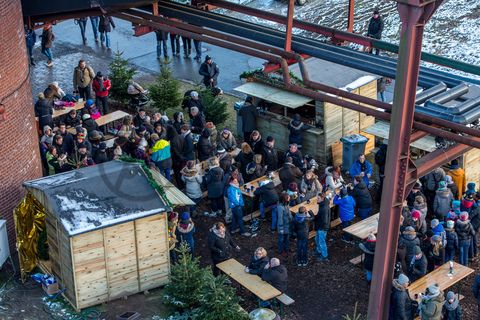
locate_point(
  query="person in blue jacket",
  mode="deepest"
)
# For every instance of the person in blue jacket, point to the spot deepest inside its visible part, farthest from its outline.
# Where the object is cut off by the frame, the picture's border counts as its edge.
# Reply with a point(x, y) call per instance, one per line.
point(346, 205)
point(235, 202)
point(361, 167)
point(185, 230)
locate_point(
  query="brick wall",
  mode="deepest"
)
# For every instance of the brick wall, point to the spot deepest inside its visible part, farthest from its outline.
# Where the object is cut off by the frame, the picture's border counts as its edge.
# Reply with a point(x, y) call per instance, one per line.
point(19, 154)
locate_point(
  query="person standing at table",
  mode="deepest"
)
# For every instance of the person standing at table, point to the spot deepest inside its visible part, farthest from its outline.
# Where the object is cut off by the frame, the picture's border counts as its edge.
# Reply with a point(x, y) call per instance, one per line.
point(220, 244)
point(362, 167)
point(346, 205)
point(235, 202)
point(362, 197)
point(300, 227)
point(401, 306)
point(284, 218)
point(431, 304)
point(270, 155)
point(322, 225)
point(249, 114)
point(417, 267)
point(368, 248)
point(268, 198)
point(465, 231)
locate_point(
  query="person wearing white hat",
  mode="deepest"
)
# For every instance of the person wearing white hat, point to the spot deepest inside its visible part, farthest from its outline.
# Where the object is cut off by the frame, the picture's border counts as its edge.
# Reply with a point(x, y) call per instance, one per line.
point(401, 304)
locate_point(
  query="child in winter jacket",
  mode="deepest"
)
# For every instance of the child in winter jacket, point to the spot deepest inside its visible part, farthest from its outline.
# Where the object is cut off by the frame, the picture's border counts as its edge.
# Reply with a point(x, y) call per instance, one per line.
point(185, 230)
point(346, 205)
point(437, 229)
point(452, 241)
point(235, 202)
point(300, 226)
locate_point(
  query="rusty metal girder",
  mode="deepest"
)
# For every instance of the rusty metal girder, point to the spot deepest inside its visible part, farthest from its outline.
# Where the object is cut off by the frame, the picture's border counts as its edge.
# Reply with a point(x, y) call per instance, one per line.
point(289, 26)
point(351, 15)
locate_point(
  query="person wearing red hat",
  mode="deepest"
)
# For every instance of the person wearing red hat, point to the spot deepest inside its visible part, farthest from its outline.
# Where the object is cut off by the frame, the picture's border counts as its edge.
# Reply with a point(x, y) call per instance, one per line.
point(465, 231)
point(368, 248)
point(419, 224)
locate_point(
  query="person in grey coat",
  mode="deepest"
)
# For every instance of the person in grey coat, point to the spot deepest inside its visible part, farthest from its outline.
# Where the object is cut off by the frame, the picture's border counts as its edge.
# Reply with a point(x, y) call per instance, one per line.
point(249, 114)
point(443, 201)
point(284, 218)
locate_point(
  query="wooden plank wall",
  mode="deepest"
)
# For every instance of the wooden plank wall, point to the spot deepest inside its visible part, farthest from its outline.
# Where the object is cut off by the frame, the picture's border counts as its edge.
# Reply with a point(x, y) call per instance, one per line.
point(152, 251)
point(120, 260)
point(471, 161)
point(89, 269)
point(65, 261)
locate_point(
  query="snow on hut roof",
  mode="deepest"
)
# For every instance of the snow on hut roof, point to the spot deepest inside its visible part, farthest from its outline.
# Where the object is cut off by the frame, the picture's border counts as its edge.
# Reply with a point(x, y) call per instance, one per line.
point(97, 197)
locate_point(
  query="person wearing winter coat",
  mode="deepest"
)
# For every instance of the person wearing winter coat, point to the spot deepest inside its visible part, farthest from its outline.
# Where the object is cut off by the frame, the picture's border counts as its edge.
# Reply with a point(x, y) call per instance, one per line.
point(284, 217)
point(88, 123)
point(101, 86)
point(465, 231)
point(204, 146)
point(436, 253)
point(227, 140)
point(289, 173)
point(161, 155)
point(162, 37)
point(452, 310)
point(220, 244)
point(213, 180)
point(419, 225)
point(256, 142)
point(197, 121)
point(431, 183)
point(47, 42)
point(270, 155)
point(188, 151)
point(322, 225)
point(193, 183)
point(468, 202)
point(452, 241)
point(235, 202)
point(296, 128)
point(268, 198)
point(476, 290)
point(258, 262)
point(380, 161)
point(401, 306)
point(368, 248)
point(333, 179)
point(43, 111)
point(192, 99)
point(300, 227)
point(296, 155)
point(185, 230)
point(225, 159)
point(178, 121)
point(243, 158)
point(362, 167)
point(209, 71)
point(276, 275)
point(417, 266)
point(416, 192)
point(452, 186)
point(30, 39)
point(255, 169)
point(105, 27)
point(439, 230)
point(100, 155)
point(310, 186)
point(420, 205)
point(83, 76)
point(474, 217)
point(406, 246)
point(375, 27)
point(443, 201)
point(362, 197)
point(432, 303)
point(249, 115)
point(346, 205)
point(458, 177)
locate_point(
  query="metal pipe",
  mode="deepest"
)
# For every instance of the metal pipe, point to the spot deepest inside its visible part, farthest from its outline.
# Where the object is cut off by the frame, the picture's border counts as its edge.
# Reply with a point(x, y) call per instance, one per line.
point(460, 108)
point(430, 92)
point(451, 94)
point(351, 15)
point(464, 118)
point(289, 26)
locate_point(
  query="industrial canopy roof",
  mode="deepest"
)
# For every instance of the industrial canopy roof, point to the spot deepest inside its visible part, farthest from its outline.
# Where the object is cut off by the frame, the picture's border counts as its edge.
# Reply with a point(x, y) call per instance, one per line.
point(98, 196)
point(275, 95)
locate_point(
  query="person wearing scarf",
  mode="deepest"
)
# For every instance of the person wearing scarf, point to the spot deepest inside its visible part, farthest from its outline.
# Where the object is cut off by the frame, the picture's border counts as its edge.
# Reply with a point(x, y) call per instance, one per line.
point(185, 230)
point(220, 244)
point(452, 310)
point(431, 304)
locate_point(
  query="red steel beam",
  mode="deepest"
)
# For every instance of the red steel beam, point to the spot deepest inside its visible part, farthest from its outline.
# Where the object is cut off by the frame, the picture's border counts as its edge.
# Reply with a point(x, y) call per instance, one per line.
point(351, 15)
point(413, 19)
point(288, 32)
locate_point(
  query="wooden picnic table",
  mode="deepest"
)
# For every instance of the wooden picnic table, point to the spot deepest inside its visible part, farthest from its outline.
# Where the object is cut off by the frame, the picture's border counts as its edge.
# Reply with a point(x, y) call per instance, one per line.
point(440, 276)
point(103, 120)
point(61, 112)
point(256, 184)
point(364, 227)
point(251, 282)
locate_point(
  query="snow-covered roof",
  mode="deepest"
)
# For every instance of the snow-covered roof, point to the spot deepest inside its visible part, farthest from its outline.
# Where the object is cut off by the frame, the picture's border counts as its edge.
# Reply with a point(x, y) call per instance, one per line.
point(99, 196)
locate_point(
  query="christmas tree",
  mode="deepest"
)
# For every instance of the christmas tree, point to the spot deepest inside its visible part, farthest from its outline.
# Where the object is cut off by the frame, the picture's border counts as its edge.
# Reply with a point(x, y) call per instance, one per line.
point(120, 74)
point(215, 107)
point(165, 92)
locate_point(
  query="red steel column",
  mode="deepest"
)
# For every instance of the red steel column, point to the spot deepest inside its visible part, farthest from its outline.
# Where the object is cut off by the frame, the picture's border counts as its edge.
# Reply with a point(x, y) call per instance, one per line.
point(19, 151)
point(413, 14)
point(288, 32)
point(351, 15)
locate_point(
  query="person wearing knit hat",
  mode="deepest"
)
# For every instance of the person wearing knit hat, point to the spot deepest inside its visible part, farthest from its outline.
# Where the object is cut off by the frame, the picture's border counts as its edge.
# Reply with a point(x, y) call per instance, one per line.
point(465, 233)
point(452, 241)
point(436, 253)
point(419, 224)
point(406, 246)
point(452, 186)
point(438, 229)
point(401, 306)
point(452, 308)
point(184, 232)
point(432, 302)
point(346, 205)
point(417, 267)
point(368, 248)
point(458, 177)
point(443, 199)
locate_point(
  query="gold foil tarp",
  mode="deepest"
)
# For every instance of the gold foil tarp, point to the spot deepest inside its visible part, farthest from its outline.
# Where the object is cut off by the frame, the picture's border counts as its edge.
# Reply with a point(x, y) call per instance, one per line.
point(29, 217)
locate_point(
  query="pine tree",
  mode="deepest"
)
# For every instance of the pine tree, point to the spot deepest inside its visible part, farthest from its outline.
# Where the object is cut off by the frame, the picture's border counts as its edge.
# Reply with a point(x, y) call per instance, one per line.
point(219, 301)
point(120, 74)
point(187, 280)
point(215, 107)
point(165, 92)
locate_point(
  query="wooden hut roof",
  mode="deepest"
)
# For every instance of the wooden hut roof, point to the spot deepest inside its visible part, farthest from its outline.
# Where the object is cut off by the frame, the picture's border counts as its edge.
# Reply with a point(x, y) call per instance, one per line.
point(97, 197)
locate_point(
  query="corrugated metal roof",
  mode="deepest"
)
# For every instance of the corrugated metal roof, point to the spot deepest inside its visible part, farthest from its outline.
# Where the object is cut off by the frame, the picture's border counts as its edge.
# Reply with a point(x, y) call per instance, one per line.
point(275, 95)
point(174, 195)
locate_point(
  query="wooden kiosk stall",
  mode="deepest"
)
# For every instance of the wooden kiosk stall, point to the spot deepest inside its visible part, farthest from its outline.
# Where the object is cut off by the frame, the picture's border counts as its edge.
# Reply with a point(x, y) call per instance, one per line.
point(106, 230)
point(328, 121)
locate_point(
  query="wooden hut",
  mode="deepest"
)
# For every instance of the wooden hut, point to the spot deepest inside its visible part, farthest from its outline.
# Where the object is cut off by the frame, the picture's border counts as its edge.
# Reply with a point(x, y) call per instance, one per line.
point(106, 231)
point(329, 122)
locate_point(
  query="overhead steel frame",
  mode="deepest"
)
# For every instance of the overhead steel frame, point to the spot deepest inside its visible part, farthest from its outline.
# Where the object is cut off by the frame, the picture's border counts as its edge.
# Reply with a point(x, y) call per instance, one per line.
point(414, 14)
point(351, 15)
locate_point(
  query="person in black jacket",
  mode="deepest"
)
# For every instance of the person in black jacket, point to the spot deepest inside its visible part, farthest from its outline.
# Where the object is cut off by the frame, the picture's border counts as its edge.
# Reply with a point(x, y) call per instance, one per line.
point(322, 225)
point(401, 307)
point(210, 71)
point(197, 121)
point(296, 128)
point(104, 29)
point(100, 155)
point(43, 111)
point(276, 274)
point(193, 100)
point(368, 248)
point(268, 198)
point(256, 142)
point(72, 119)
point(296, 155)
point(452, 310)
point(176, 149)
point(243, 158)
point(270, 155)
point(249, 114)
point(417, 267)
point(300, 228)
point(465, 231)
point(204, 146)
point(258, 262)
point(68, 141)
point(362, 197)
point(213, 180)
point(375, 27)
point(188, 152)
point(220, 244)
point(89, 123)
point(289, 173)
point(162, 38)
point(380, 161)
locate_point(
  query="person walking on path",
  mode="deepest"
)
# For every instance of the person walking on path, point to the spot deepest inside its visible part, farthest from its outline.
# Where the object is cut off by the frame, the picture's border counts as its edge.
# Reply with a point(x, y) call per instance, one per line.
point(162, 38)
point(198, 50)
point(187, 47)
point(47, 41)
point(375, 28)
point(101, 86)
point(249, 114)
point(220, 244)
point(105, 27)
point(210, 71)
point(83, 76)
point(30, 39)
point(175, 44)
point(82, 23)
point(94, 22)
